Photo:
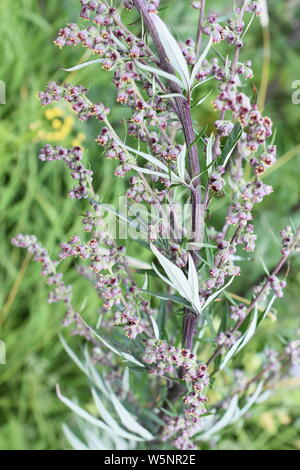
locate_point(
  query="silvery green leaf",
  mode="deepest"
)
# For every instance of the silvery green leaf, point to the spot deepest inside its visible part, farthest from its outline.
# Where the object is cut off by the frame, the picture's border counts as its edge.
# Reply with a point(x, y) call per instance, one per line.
point(209, 155)
point(202, 82)
point(162, 73)
point(204, 98)
point(145, 285)
point(264, 396)
point(153, 85)
point(241, 342)
point(117, 41)
point(215, 294)
point(248, 25)
point(177, 279)
point(81, 412)
point(110, 421)
point(125, 381)
point(226, 420)
point(172, 50)
point(149, 158)
point(95, 443)
point(200, 245)
point(120, 216)
point(181, 163)
point(155, 327)
point(167, 281)
point(172, 95)
point(83, 65)
point(148, 171)
point(71, 353)
point(126, 356)
point(112, 210)
point(165, 296)
point(228, 356)
point(251, 401)
point(250, 331)
point(199, 62)
point(231, 142)
point(128, 420)
point(268, 308)
point(95, 377)
point(176, 276)
point(137, 264)
point(264, 266)
point(194, 282)
point(74, 441)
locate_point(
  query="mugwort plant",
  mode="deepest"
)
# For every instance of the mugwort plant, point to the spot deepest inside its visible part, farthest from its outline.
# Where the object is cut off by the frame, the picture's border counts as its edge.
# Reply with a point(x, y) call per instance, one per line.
point(163, 355)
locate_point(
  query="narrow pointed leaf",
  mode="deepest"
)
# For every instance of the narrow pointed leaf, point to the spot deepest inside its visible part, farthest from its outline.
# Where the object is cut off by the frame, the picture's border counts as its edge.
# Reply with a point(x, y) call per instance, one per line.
point(83, 65)
point(162, 73)
point(75, 442)
point(199, 62)
point(172, 50)
point(181, 163)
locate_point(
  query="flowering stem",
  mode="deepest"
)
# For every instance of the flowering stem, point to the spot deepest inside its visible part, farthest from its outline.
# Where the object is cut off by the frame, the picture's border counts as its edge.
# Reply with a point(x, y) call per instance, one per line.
point(276, 270)
point(183, 110)
point(262, 372)
point(200, 27)
point(254, 379)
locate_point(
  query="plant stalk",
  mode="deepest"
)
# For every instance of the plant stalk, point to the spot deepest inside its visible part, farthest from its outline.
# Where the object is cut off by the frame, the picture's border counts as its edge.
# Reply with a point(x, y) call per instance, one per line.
point(183, 110)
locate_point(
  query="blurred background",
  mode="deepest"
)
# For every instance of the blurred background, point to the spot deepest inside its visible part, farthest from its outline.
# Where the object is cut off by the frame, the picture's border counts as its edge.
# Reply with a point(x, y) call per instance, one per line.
point(33, 200)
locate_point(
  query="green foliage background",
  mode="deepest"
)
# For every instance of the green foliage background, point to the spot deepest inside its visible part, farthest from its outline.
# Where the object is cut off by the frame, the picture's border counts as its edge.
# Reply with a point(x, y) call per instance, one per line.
point(33, 201)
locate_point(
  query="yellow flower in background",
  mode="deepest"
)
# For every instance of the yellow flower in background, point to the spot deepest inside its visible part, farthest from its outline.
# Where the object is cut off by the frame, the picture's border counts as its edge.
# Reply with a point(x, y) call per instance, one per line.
point(57, 123)
point(52, 113)
point(61, 127)
point(68, 122)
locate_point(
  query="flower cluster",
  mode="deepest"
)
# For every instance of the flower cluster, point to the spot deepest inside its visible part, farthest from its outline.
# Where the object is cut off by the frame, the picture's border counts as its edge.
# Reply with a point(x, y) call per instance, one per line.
point(293, 350)
point(216, 182)
point(73, 159)
point(247, 239)
point(60, 292)
point(166, 359)
point(188, 50)
point(152, 5)
point(132, 324)
point(107, 269)
point(99, 262)
point(254, 7)
point(289, 243)
point(277, 285)
point(227, 339)
point(223, 265)
point(238, 312)
point(76, 96)
point(272, 363)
